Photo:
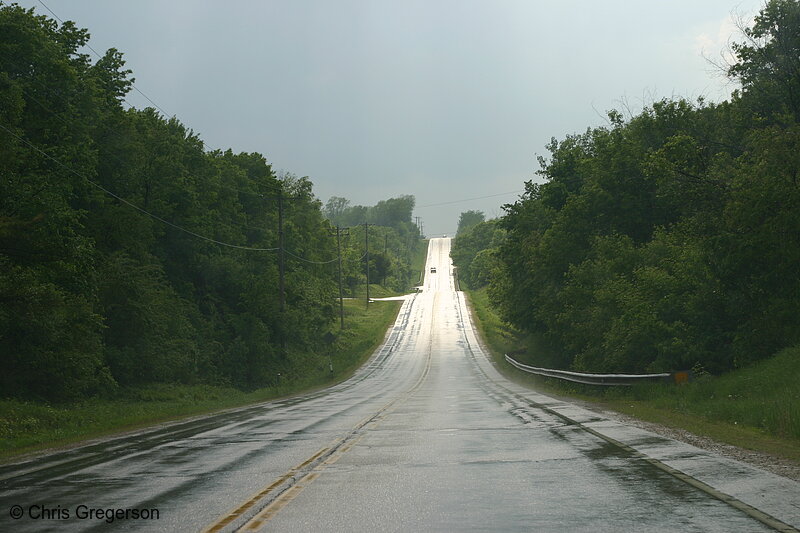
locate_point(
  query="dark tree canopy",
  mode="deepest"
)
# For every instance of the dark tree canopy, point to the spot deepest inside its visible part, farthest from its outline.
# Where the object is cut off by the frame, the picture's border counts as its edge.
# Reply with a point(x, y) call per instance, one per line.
point(768, 65)
point(467, 219)
point(671, 239)
point(393, 238)
point(129, 254)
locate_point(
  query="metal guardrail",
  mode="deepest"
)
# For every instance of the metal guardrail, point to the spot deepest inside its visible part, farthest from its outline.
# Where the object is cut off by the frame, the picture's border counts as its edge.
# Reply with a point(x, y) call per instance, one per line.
point(624, 380)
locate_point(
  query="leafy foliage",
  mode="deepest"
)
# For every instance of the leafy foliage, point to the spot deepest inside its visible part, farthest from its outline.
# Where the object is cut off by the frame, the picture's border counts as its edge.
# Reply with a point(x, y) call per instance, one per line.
point(129, 254)
point(467, 219)
point(474, 250)
point(393, 239)
point(671, 239)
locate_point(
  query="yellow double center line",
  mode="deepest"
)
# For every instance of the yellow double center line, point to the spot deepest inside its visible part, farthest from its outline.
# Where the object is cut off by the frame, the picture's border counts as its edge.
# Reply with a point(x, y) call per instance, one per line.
point(261, 494)
point(255, 523)
point(280, 492)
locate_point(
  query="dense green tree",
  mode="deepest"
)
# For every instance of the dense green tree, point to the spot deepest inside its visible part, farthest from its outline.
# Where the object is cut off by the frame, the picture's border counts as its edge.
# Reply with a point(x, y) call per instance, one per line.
point(393, 240)
point(335, 208)
point(671, 239)
point(394, 212)
point(467, 219)
point(128, 253)
point(768, 61)
point(473, 252)
point(49, 328)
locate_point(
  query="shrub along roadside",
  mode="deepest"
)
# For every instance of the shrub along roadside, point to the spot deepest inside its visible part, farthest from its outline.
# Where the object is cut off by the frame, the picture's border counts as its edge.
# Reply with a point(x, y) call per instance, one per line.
point(31, 426)
point(757, 407)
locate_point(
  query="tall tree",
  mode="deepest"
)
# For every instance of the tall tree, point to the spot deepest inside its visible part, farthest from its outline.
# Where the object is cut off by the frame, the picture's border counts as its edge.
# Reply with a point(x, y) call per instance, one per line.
point(768, 62)
point(128, 253)
point(467, 219)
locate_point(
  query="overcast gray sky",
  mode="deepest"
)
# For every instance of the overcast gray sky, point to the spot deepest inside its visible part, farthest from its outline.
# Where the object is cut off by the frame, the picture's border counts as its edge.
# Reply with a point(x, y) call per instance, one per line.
point(446, 100)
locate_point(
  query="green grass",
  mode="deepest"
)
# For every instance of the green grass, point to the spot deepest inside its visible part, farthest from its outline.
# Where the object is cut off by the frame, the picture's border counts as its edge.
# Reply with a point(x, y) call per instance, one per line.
point(764, 396)
point(500, 337)
point(375, 291)
point(740, 435)
point(31, 426)
point(363, 333)
point(757, 407)
point(417, 267)
point(418, 261)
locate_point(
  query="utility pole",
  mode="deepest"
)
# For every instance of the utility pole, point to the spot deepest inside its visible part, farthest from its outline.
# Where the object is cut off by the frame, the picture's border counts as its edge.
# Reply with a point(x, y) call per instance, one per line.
point(280, 197)
point(281, 264)
point(385, 256)
point(339, 232)
point(366, 246)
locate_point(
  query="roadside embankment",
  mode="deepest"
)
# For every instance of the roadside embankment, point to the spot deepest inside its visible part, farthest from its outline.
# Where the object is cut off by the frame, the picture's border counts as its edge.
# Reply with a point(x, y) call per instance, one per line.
point(755, 408)
point(32, 426)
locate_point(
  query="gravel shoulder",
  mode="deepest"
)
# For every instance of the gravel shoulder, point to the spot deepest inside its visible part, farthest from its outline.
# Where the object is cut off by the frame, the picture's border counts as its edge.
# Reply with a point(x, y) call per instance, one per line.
point(764, 461)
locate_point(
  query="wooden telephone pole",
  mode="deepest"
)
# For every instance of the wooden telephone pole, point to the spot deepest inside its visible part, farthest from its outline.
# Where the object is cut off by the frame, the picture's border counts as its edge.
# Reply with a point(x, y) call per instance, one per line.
point(366, 246)
point(339, 232)
point(385, 256)
point(281, 256)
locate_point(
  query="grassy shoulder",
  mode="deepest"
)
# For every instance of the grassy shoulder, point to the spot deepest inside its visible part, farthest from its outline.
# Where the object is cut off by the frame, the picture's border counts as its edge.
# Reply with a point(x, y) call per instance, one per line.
point(418, 261)
point(756, 408)
point(375, 291)
point(31, 426)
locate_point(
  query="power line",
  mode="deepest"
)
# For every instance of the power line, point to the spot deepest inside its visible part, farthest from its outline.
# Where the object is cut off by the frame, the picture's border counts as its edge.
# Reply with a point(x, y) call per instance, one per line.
point(108, 130)
point(277, 187)
point(131, 204)
point(470, 199)
point(339, 232)
point(158, 218)
point(309, 260)
point(101, 57)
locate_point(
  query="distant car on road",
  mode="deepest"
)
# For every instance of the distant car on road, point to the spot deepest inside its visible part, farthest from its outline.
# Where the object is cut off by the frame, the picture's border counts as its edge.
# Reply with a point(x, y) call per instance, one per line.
point(433, 270)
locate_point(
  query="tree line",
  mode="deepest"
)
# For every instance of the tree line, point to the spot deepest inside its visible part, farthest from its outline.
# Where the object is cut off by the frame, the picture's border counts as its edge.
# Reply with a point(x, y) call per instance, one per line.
point(474, 248)
point(665, 240)
point(130, 254)
point(393, 238)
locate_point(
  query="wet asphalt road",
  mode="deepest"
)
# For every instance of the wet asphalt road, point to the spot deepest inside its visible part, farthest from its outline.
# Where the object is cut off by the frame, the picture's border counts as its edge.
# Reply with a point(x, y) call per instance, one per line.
point(426, 437)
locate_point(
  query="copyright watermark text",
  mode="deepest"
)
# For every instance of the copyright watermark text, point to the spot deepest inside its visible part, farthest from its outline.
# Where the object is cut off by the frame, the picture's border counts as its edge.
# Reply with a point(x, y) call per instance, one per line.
point(108, 515)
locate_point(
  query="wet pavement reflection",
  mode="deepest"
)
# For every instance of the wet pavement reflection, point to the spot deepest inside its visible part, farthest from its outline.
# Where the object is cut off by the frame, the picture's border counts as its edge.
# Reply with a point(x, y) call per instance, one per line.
point(430, 438)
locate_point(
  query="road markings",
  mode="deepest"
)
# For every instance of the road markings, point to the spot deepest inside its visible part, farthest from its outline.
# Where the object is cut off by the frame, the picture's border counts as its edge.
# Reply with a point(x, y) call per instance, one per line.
point(261, 494)
point(337, 450)
point(279, 503)
point(283, 490)
point(749, 510)
point(302, 475)
point(258, 521)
